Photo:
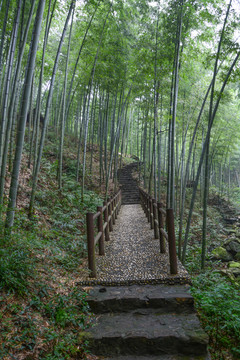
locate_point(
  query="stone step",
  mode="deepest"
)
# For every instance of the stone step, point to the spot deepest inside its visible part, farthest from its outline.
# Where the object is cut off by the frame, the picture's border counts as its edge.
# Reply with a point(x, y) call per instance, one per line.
point(130, 198)
point(160, 357)
point(164, 298)
point(153, 334)
point(129, 188)
point(129, 183)
point(132, 202)
point(130, 194)
point(130, 191)
point(134, 196)
point(127, 196)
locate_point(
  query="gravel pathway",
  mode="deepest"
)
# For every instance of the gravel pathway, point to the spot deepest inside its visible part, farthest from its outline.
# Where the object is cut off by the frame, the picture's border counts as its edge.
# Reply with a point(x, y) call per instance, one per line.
point(132, 256)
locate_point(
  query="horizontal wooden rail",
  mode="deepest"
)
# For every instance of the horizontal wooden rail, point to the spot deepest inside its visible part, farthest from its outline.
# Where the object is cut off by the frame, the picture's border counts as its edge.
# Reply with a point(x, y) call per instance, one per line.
point(155, 214)
point(105, 217)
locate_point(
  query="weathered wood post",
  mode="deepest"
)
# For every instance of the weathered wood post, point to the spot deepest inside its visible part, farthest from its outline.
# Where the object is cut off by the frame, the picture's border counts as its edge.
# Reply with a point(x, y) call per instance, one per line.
point(161, 226)
point(112, 210)
point(144, 202)
point(91, 245)
point(172, 242)
point(110, 214)
point(100, 229)
point(151, 213)
point(120, 200)
point(116, 206)
point(155, 218)
point(105, 215)
point(148, 209)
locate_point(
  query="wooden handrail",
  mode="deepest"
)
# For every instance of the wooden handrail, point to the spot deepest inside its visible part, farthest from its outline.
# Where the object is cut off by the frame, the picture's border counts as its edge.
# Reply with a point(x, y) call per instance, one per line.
point(105, 217)
point(155, 214)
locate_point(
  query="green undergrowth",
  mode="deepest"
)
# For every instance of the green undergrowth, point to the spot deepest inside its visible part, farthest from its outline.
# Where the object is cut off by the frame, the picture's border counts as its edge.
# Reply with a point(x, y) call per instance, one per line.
point(218, 303)
point(217, 298)
point(44, 324)
point(43, 312)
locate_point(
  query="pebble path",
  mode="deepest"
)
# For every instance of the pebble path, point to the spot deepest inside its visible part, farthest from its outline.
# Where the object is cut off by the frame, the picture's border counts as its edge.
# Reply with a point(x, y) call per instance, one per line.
point(132, 256)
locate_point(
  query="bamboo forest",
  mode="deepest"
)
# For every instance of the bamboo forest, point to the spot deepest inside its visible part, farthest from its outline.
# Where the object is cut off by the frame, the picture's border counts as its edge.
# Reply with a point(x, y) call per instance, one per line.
point(116, 115)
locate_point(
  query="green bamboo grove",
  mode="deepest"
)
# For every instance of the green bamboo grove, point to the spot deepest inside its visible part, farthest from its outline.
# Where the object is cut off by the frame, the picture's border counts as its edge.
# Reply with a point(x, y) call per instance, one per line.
point(155, 80)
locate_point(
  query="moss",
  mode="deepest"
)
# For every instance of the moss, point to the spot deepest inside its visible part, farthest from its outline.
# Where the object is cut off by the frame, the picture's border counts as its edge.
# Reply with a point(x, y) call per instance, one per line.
point(237, 256)
point(220, 253)
point(234, 264)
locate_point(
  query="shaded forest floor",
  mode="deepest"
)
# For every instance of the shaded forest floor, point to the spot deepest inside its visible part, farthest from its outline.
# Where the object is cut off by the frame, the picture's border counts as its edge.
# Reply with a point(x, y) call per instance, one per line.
point(43, 314)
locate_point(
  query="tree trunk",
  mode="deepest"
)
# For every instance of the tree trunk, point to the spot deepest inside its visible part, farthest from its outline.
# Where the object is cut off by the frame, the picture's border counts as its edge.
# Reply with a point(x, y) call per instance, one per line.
point(23, 116)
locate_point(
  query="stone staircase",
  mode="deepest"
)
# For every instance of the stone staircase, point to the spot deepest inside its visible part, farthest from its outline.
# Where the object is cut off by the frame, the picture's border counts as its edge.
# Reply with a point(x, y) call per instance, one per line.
point(145, 322)
point(130, 193)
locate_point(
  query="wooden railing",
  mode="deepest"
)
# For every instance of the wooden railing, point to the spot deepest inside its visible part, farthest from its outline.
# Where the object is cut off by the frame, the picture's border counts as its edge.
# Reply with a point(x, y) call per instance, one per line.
point(105, 217)
point(156, 214)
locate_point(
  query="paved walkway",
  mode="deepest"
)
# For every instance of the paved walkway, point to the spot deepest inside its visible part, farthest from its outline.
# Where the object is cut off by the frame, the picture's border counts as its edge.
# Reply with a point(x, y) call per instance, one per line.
point(132, 256)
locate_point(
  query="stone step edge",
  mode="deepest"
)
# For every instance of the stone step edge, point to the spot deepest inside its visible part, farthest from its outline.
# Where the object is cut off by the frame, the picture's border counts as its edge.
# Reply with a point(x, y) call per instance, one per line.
point(159, 357)
point(167, 281)
point(128, 334)
point(147, 298)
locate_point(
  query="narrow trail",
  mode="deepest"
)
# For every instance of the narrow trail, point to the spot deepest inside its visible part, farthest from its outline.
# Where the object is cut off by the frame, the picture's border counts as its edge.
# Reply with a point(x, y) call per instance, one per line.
point(133, 255)
point(141, 311)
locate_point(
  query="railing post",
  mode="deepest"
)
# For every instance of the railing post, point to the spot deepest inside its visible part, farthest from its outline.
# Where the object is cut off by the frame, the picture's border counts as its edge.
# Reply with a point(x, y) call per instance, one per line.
point(105, 215)
point(110, 214)
point(156, 236)
point(119, 200)
point(148, 209)
point(143, 201)
point(91, 245)
point(115, 207)
point(171, 242)
point(100, 229)
point(119, 205)
point(116, 204)
point(161, 225)
point(112, 210)
point(151, 213)
point(146, 204)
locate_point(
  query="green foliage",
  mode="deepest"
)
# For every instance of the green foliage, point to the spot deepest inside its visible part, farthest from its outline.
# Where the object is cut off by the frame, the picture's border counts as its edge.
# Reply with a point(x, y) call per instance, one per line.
point(193, 258)
point(16, 266)
point(217, 301)
point(65, 317)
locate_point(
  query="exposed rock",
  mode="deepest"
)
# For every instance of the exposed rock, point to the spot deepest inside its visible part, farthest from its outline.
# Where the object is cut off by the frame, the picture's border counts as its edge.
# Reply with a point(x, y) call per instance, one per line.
point(230, 220)
point(233, 246)
point(236, 272)
point(228, 273)
point(237, 256)
point(220, 253)
point(233, 271)
point(234, 264)
point(230, 231)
